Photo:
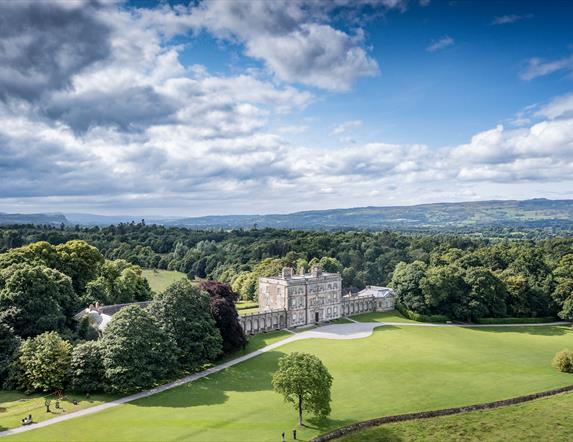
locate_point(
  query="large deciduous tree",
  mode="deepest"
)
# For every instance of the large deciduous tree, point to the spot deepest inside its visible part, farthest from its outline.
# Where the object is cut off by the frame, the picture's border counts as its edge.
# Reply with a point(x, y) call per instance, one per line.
point(183, 311)
point(443, 287)
point(305, 382)
point(86, 367)
point(487, 295)
point(35, 299)
point(118, 282)
point(406, 282)
point(225, 314)
point(136, 351)
point(43, 363)
point(80, 261)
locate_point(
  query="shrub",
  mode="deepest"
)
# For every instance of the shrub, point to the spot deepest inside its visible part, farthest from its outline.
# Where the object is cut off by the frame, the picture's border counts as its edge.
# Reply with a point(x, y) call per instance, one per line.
point(563, 361)
point(86, 368)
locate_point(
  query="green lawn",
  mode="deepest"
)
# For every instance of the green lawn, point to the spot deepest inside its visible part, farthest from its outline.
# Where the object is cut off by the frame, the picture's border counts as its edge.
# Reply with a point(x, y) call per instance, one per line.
point(391, 316)
point(259, 341)
point(396, 370)
point(15, 405)
point(159, 280)
point(547, 419)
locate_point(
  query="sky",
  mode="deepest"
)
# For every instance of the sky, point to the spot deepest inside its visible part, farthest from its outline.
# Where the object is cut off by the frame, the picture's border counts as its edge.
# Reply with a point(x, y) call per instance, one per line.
point(243, 107)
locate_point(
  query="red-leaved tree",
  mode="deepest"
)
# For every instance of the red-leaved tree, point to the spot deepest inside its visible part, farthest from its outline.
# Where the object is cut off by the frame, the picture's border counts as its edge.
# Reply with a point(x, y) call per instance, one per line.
point(225, 313)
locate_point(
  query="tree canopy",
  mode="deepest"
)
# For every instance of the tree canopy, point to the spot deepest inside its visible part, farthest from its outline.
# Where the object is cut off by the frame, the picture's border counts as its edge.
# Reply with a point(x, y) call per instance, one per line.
point(222, 303)
point(182, 311)
point(42, 363)
point(136, 351)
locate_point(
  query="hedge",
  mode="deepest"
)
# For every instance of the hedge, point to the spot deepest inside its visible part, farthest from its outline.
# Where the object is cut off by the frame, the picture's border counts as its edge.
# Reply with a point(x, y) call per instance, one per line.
point(516, 320)
point(245, 305)
point(419, 317)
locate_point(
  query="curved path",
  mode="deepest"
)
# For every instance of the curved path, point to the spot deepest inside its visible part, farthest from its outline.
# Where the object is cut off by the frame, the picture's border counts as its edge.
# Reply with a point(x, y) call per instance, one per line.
point(353, 330)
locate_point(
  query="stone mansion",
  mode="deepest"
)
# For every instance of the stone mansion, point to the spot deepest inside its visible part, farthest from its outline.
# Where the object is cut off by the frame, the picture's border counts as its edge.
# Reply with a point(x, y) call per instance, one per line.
point(292, 300)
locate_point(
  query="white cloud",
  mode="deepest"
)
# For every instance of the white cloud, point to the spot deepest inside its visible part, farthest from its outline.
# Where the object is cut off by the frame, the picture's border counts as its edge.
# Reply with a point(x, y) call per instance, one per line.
point(537, 67)
point(292, 39)
point(558, 107)
point(137, 131)
point(346, 126)
point(509, 19)
point(440, 44)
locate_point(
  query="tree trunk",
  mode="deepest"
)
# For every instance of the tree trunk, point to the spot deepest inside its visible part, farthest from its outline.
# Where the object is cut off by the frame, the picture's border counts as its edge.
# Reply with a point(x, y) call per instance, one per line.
point(300, 411)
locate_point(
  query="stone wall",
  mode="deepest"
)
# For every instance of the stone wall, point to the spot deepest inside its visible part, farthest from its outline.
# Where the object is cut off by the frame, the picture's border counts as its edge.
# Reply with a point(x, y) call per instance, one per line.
point(435, 413)
point(263, 322)
point(356, 305)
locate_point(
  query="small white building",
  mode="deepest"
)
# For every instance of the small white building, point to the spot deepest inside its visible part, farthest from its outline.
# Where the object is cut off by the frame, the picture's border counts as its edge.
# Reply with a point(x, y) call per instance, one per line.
point(384, 297)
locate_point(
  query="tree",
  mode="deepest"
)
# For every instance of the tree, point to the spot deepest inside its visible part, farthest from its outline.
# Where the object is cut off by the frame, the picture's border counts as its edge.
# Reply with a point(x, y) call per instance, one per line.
point(487, 295)
point(563, 293)
point(43, 363)
point(80, 261)
point(330, 265)
point(407, 282)
point(443, 287)
point(118, 282)
point(305, 382)
point(136, 351)
point(35, 299)
point(183, 311)
point(86, 367)
point(9, 343)
point(224, 312)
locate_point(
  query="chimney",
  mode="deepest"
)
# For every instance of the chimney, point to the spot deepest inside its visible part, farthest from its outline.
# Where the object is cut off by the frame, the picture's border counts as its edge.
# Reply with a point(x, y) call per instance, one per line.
point(316, 271)
point(287, 272)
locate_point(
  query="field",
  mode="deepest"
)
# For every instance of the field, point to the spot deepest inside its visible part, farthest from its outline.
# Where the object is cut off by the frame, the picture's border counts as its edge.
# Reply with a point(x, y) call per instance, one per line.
point(396, 370)
point(159, 280)
point(547, 419)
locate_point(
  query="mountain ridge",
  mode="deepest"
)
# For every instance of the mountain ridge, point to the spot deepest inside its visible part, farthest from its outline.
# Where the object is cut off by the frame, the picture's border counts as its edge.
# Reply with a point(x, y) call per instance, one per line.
point(537, 212)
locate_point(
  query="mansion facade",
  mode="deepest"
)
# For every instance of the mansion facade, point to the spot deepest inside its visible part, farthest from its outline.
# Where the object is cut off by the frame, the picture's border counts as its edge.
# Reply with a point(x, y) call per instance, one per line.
point(294, 300)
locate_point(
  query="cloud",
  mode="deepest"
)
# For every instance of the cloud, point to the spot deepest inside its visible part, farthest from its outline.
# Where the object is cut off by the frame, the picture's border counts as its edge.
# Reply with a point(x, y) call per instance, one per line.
point(440, 44)
point(509, 19)
point(136, 130)
point(292, 39)
point(558, 107)
point(537, 67)
point(346, 126)
point(43, 45)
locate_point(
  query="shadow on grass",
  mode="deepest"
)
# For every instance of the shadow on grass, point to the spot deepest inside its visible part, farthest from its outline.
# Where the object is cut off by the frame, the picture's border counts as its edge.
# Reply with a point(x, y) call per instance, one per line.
point(250, 376)
point(549, 330)
point(326, 424)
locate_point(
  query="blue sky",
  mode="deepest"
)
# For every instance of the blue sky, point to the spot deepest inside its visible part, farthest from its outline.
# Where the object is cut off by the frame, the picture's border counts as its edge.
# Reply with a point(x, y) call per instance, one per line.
point(217, 107)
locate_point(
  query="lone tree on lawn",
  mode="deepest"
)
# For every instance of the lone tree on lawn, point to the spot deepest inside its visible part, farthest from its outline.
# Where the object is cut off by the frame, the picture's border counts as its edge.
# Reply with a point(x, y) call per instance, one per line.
point(305, 382)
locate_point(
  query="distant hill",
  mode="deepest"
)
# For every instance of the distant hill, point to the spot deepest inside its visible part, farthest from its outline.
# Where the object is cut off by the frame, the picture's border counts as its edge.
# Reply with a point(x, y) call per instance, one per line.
point(534, 213)
point(33, 218)
point(529, 213)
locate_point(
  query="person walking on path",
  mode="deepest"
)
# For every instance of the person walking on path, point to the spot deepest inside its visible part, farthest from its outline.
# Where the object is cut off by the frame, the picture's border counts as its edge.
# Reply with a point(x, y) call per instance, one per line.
point(283, 437)
point(294, 434)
